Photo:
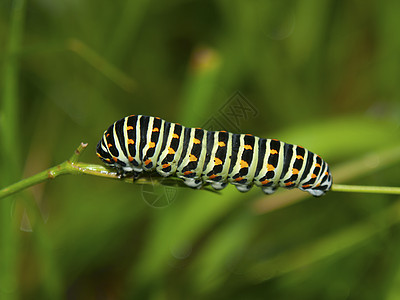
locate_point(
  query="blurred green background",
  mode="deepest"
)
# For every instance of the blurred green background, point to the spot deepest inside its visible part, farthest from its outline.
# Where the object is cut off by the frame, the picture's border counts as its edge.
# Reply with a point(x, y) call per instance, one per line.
point(322, 74)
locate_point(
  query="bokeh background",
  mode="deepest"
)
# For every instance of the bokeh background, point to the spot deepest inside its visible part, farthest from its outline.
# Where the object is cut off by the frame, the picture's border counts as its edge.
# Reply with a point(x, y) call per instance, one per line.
point(322, 74)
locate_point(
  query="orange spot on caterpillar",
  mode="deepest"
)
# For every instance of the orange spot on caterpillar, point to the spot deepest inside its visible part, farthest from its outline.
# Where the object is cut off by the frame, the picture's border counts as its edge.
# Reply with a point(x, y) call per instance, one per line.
point(221, 144)
point(171, 151)
point(107, 159)
point(147, 162)
point(109, 145)
point(317, 165)
point(212, 176)
point(289, 183)
point(273, 151)
point(129, 127)
point(175, 136)
point(313, 175)
point(239, 179)
point(275, 140)
point(217, 161)
point(270, 167)
point(223, 131)
point(152, 145)
point(295, 171)
point(196, 141)
point(187, 172)
point(248, 134)
point(192, 157)
point(98, 154)
point(130, 158)
point(165, 166)
point(244, 164)
point(107, 135)
point(247, 147)
point(264, 181)
point(156, 129)
point(327, 173)
point(131, 142)
point(115, 159)
point(305, 186)
point(299, 157)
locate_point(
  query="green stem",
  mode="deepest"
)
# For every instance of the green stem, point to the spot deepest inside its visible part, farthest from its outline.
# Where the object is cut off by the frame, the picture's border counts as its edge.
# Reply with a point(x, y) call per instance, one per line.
point(72, 166)
point(365, 189)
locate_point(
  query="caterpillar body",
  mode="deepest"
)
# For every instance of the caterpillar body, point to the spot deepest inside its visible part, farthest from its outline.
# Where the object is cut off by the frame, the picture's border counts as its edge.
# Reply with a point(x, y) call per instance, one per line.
point(140, 143)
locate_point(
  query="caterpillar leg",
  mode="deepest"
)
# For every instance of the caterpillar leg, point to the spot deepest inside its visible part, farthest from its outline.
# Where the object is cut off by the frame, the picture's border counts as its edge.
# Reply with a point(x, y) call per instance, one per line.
point(244, 188)
point(314, 192)
point(269, 189)
point(219, 185)
point(192, 182)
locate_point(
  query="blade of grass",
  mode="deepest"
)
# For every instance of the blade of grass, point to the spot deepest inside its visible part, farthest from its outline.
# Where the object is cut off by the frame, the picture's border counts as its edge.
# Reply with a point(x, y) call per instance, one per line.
point(10, 151)
point(334, 244)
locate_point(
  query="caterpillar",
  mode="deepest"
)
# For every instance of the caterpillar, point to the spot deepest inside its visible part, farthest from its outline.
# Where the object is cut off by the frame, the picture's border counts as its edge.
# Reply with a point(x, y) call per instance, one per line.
point(140, 143)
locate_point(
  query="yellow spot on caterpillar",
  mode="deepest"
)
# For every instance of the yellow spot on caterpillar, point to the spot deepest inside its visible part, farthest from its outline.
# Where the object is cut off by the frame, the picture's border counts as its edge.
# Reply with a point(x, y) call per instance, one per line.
point(147, 162)
point(295, 171)
point(221, 144)
point(196, 141)
point(115, 159)
point(244, 164)
point(265, 181)
point(156, 129)
point(247, 147)
point(131, 142)
point(152, 145)
point(175, 136)
point(107, 159)
point(299, 157)
point(270, 167)
point(129, 127)
point(171, 151)
point(192, 157)
point(98, 154)
point(317, 165)
point(217, 161)
point(273, 151)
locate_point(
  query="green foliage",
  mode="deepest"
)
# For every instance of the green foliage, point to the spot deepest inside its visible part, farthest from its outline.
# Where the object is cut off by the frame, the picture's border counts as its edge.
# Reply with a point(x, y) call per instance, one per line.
point(322, 74)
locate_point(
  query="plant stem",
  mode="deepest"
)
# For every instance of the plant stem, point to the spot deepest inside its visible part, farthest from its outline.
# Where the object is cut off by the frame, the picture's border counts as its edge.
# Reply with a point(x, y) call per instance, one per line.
point(365, 189)
point(72, 166)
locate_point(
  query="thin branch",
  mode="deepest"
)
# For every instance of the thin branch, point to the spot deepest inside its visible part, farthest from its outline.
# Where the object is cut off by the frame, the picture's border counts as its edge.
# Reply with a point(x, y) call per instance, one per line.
point(365, 189)
point(72, 166)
